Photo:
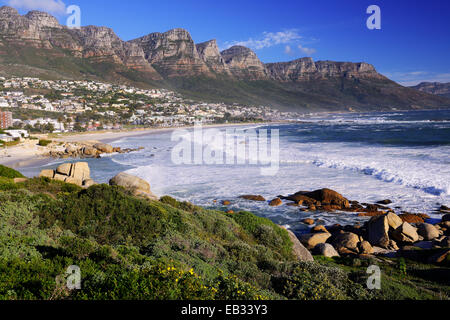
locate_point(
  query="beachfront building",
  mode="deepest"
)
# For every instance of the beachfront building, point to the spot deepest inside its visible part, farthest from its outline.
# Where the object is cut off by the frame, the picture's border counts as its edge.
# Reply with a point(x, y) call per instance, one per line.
point(6, 119)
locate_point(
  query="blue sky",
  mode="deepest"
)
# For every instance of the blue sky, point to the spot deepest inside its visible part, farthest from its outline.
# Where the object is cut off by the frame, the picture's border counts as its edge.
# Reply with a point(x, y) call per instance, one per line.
point(413, 44)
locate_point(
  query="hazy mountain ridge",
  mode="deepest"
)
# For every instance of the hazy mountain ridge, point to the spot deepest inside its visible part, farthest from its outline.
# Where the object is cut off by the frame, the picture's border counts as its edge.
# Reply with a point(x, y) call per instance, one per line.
point(38, 44)
point(438, 88)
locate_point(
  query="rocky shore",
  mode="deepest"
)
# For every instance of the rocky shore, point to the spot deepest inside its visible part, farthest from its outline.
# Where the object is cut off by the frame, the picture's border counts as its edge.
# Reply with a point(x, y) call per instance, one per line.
point(86, 149)
point(385, 233)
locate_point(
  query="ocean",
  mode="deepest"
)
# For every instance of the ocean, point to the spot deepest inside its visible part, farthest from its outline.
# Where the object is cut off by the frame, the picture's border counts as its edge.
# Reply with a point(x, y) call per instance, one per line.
point(368, 157)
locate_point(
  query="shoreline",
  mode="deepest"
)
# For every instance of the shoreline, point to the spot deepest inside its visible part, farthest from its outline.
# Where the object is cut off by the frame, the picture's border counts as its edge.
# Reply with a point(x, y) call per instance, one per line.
point(24, 155)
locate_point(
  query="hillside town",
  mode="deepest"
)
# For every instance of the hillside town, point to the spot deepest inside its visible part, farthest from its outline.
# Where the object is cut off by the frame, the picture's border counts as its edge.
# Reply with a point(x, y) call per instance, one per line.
point(48, 106)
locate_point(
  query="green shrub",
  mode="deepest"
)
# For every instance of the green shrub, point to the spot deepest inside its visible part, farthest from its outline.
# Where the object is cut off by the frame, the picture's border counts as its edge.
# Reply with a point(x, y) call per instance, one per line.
point(9, 173)
point(44, 143)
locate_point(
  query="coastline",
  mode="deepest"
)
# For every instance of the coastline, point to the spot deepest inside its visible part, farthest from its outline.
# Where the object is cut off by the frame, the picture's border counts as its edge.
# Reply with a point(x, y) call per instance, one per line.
point(27, 154)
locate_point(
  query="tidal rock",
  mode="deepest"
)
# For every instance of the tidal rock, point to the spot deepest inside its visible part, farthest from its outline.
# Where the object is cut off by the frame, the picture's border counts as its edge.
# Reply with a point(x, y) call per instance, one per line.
point(411, 218)
point(384, 202)
point(319, 228)
point(330, 197)
point(308, 221)
point(253, 198)
point(276, 202)
point(104, 148)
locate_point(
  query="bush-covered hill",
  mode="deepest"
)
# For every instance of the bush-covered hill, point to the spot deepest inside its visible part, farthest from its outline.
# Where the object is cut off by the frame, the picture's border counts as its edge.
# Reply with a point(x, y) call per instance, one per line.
point(133, 248)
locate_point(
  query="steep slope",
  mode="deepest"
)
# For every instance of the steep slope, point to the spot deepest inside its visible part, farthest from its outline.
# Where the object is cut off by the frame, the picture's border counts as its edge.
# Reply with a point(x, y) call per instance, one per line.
point(438, 88)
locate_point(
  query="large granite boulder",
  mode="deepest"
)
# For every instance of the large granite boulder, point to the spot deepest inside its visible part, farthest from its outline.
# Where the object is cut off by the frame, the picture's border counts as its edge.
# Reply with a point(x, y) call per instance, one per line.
point(298, 249)
point(326, 250)
point(428, 231)
point(104, 148)
point(406, 233)
point(346, 240)
point(137, 186)
point(312, 239)
point(330, 197)
point(378, 231)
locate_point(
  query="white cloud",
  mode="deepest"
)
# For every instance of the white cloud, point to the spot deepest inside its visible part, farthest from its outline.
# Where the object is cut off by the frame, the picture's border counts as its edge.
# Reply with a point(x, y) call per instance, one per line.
point(288, 50)
point(51, 6)
point(268, 39)
point(307, 51)
point(412, 78)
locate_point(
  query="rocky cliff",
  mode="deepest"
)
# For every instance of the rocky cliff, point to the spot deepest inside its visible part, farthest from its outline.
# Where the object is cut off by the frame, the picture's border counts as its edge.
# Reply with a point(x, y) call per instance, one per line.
point(244, 63)
point(210, 54)
point(307, 69)
point(173, 53)
point(40, 30)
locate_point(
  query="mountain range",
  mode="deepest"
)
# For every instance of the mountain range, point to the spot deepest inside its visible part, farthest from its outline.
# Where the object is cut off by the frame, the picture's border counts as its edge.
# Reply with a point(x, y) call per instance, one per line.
point(36, 44)
point(442, 89)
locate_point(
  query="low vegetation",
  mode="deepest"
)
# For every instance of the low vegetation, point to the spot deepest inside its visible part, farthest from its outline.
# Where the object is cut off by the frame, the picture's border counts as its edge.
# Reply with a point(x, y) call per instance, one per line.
point(161, 249)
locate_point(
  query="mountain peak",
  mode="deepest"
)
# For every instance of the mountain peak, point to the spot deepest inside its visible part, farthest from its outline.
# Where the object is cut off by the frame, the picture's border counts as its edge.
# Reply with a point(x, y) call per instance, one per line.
point(43, 19)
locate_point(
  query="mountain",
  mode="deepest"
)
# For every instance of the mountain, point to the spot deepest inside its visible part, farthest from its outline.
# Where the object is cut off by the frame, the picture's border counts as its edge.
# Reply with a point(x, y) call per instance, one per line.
point(438, 88)
point(35, 44)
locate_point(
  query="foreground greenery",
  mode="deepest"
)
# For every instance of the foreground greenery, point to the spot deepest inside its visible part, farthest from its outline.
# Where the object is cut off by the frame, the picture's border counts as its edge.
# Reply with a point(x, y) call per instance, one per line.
point(133, 248)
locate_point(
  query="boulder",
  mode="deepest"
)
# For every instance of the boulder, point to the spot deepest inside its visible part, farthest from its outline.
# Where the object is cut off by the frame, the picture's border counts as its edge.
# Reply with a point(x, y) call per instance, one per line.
point(275, 202)
point(384, 202)
point(64, 169)
point(394, 220)
point(411, 218)
point(377, 229)
point(365, 247)
point(90, 151)
point(253, 198)
point(104, 148)
point(330, 197)
point(308, 221)
point(20, 180)
point(71, 149)
point(88, 183)
point(312, 239)
point(446, 218)
point(346, 240)
point(440, 256)
point(406, 233)
point(60, 177)
point(76, 181)
point(428, 231)
point(298, 249)
point(300, 199)
point(319, 228)
point(326, 250)
point(226, 202)
point(80, 171)
point(136, 185)
point(47, 174)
